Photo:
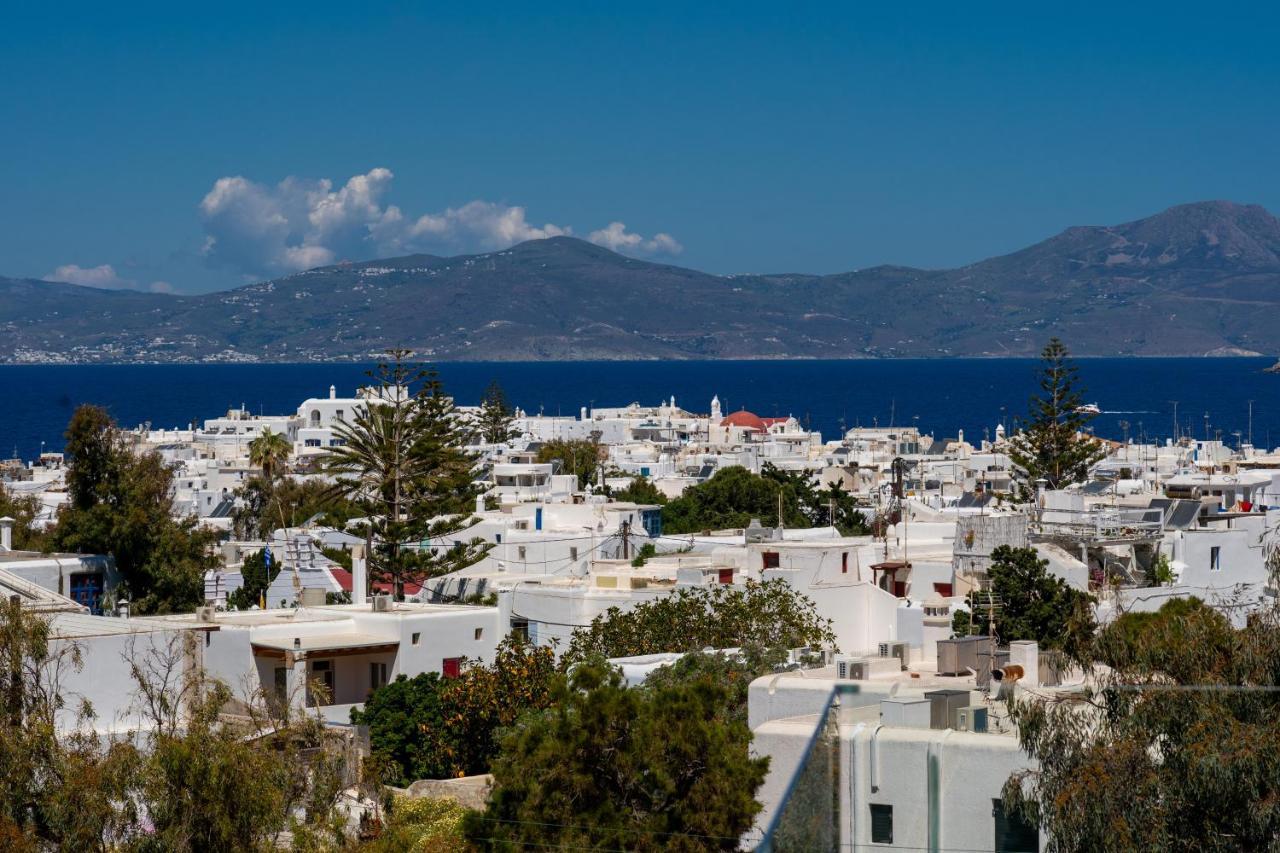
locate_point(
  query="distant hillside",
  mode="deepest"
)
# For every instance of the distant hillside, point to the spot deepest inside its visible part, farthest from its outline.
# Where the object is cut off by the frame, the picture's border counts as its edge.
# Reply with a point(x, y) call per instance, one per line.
point(1194, 280)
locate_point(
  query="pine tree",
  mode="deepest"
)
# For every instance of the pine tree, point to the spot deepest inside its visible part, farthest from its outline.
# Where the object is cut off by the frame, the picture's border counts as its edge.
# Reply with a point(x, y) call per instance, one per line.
point(403, 458)
point(493, 421)
point(1052, 444)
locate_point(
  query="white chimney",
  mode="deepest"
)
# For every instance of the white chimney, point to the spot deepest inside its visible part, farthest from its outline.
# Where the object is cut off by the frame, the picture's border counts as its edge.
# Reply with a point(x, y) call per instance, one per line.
point(333, 392)
point(479, 504)
point(6, 534)
point(359, 575)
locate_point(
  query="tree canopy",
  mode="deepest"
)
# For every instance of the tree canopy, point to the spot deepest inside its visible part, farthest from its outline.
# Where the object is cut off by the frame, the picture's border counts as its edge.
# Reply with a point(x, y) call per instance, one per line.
point(641, 490)
point(403, 458)
point(772, 615)
point(618, 768)
point(1051, 444)
point(1033, 604)
point(24, 510)
point(578, 456)
point(187, 781)
point(1172, 746)
point(494, 420)
point(428, 727)
point(733, 496)
point(121, 503)
point(288, 502)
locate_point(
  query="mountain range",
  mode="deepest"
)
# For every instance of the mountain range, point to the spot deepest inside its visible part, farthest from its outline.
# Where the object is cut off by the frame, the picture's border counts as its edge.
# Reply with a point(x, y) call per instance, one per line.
point(1197, 279)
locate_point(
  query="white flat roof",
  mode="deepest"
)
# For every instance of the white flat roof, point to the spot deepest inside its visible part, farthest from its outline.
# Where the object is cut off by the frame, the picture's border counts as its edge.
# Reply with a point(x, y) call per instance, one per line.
point(324, 642)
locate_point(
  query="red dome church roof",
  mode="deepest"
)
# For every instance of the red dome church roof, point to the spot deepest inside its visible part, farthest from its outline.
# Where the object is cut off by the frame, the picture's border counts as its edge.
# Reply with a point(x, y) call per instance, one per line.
point(745, 420)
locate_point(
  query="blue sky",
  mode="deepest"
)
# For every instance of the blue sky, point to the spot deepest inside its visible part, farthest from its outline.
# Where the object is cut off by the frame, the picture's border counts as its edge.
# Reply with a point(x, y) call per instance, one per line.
point(146, 146)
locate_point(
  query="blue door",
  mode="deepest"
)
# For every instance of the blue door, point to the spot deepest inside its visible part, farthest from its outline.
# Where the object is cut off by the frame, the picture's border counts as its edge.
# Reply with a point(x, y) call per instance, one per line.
point(86, 590)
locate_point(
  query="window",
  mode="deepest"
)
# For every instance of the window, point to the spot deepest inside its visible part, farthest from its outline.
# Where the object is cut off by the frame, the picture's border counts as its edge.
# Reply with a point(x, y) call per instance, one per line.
point(339, 414)
point(844, 563)
point(282, 685)
point(377, 675)
point(416, 638)
point(520, 629)
point(770, 559)
point(881, 824)
point(451, 667)
point(337, 442)
point(521, 552)
point(573, 552)
point(479, 633)
point(725, 576)
point(320, 688)
point(312, 442)
point(1215, 559)
point(1013, 833)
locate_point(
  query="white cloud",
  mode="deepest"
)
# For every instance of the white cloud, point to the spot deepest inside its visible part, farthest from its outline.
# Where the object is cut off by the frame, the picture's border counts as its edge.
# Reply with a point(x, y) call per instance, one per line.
point(616, 237)
point(297, 224)
point(102, 276)
point(481, 224)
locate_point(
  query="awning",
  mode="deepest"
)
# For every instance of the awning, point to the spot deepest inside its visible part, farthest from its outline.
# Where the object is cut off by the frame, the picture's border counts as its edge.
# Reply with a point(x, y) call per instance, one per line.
point(327, 644)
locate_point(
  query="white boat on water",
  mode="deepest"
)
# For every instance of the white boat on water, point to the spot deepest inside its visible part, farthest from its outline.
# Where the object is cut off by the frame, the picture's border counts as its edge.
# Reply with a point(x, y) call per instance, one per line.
point(1089, 409)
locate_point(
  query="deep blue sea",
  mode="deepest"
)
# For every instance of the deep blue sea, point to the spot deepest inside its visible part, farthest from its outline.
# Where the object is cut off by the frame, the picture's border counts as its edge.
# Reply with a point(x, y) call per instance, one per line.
point(941, 396)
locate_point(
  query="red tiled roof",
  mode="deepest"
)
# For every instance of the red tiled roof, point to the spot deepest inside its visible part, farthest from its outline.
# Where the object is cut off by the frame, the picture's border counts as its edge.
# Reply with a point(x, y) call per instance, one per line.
point(346, 581)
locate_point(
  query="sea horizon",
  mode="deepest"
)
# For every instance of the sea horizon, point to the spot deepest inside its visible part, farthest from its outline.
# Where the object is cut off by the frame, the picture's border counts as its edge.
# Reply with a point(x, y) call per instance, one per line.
point(941, 396)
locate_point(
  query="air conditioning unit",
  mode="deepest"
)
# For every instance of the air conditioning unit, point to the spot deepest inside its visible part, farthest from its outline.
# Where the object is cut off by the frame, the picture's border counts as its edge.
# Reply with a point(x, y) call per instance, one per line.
point(895, 650)
point(972, 718)
point(382, 603)
point(856, 669)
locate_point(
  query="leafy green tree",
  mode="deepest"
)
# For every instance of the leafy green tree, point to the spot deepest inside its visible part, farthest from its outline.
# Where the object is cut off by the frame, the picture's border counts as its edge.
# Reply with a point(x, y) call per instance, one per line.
point(404, 460)
point(772, 615)
point(263, 507)
point(1034, 605)
point(494, 420)
point(428, 727)
point(1173, 746)
point(579, 456)
point(732, 672)
point(257, 578)
point(24, 510)
point(188, 781)
point(1051, 444)
point(421, 825)
point(608, 767)
point(731, 498)
point(121, 504)
point(641, 490)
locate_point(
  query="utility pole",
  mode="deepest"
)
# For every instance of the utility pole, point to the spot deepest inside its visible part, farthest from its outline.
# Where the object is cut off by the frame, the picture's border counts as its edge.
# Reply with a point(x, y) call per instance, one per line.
point(1175, 421)
point(1250, 423)
point(626, 540)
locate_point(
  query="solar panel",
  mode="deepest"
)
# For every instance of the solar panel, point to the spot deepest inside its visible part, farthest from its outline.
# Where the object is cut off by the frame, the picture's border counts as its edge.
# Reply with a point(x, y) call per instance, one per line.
point(1183, 515)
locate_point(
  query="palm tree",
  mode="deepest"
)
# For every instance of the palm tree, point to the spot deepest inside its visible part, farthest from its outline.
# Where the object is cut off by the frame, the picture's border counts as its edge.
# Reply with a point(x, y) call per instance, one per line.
point(269, 451)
